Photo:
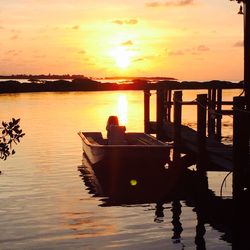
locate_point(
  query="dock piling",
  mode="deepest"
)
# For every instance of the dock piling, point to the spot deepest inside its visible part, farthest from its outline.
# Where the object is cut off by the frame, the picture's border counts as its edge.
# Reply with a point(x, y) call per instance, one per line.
point(214, 112)
point(219, 116)
point(201, 131)
point(147, 111)
point(240, 148)
point(168, 104)
point(211, 111)
point(177, 118)
point(160, 114)
point(177, 124)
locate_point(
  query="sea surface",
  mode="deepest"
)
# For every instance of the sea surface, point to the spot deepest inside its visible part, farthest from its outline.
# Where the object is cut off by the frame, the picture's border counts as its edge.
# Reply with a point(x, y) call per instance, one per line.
point(44, 202)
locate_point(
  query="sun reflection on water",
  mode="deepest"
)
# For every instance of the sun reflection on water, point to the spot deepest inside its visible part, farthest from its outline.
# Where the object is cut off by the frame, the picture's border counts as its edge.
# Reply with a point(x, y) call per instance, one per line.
point(122, 109)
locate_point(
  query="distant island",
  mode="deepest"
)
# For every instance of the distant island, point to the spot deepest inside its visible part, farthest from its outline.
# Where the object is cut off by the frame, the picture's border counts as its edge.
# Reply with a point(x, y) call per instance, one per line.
point(78, 84)
point(147, 78)
point(66, 83)
point(79, 76)
point(42, 76)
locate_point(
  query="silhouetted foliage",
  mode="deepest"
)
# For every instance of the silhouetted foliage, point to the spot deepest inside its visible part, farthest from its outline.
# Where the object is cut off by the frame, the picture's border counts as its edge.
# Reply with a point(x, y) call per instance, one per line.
point(10, 133)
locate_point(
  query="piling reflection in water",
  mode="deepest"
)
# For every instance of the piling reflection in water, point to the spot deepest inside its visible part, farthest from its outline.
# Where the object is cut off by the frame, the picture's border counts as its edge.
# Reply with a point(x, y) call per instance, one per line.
point(168, 187)
point(177, 229)
point(200, 230)
point(159, 214)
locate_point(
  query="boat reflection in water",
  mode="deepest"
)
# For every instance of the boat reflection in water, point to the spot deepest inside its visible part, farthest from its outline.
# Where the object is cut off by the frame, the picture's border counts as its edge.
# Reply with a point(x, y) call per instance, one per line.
point(133, 185)
point(126, 184)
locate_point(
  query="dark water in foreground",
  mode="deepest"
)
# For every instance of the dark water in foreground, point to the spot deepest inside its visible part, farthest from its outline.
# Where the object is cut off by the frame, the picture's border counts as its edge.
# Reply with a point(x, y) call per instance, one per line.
point(47, 203)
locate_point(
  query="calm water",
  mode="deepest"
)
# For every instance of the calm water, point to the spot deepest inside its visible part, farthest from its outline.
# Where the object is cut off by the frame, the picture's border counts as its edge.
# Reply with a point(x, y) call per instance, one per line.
point(45, 203)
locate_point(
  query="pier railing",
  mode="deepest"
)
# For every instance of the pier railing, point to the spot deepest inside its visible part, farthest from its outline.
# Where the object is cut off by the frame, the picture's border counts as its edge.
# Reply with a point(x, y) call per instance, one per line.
point(204, 142)
point(165, 103)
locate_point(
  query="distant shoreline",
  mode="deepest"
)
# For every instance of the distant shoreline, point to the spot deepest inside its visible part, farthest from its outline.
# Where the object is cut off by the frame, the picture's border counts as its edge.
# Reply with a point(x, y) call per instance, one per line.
point(41, 77)
point(86, 84)
point(72, 77)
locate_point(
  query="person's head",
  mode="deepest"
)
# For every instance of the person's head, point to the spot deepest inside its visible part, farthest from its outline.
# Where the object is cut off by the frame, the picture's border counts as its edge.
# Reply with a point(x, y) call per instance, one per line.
point(113, 120)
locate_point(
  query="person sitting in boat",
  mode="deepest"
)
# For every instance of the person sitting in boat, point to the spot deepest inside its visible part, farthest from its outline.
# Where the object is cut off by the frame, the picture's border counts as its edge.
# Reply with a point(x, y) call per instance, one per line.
point(112, 120)
point(115, 133)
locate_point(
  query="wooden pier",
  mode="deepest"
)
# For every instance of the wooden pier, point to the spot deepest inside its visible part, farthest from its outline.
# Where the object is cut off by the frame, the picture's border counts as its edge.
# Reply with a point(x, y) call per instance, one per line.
point(202, 147)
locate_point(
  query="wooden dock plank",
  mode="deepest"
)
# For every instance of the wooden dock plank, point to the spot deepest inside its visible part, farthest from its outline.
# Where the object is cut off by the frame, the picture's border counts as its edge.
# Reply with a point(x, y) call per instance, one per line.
point(220, 156)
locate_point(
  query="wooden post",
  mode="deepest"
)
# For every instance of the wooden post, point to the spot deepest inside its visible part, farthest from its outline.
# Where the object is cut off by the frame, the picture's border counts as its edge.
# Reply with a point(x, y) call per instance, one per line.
point(201, 131)
point(168, 105)
point(159, 112)
point(240, 148)
point(209, 100)
point(147, 111)
point(240, 173)
point(247, 52)
point(177, 124)
point(211, 115)
point(165, 108)
point(218, 116)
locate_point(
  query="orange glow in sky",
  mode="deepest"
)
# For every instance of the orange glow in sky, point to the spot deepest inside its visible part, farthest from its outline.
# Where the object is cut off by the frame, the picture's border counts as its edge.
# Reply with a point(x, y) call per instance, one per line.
point(188, 40)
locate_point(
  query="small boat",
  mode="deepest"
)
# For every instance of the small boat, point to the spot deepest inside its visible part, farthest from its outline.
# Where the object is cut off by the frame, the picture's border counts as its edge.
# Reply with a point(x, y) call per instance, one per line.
point(123, 148)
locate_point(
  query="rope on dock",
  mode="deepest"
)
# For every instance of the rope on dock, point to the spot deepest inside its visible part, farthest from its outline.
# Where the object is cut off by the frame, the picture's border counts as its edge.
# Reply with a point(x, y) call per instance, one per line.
point(224, 180)
point(243, 91)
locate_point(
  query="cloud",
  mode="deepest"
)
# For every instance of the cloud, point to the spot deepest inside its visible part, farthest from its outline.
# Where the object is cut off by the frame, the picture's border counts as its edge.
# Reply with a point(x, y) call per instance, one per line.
point(189, 51)
point(120, 22)
point(129, 21)
point(154, 4)
point(127, 43)
point(176, 53)
point(12, 52)
point(239, 44)
point(184, 2)
point(82, 52)
point(40, 56)
point(202, 48)
point(177, 3)
point(15, 37)
point(76, 27)
point(139, 59)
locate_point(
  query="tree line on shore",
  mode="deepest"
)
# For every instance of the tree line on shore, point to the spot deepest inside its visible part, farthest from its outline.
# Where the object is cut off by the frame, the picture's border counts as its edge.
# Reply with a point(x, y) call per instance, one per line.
point(79, 84)
point(83, 84)
point(42, 76)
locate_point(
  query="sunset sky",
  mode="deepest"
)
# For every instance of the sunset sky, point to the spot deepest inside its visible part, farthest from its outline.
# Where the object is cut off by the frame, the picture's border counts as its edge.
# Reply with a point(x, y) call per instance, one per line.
point(185, 39)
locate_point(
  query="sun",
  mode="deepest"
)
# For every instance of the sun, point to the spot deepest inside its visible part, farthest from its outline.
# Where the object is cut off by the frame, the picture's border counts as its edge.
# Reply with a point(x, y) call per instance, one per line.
point(122, 57)
point(122, 61)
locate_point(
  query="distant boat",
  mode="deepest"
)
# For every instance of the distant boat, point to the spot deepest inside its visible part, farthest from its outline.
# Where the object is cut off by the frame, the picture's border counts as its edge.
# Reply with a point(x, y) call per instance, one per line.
point(121, 148)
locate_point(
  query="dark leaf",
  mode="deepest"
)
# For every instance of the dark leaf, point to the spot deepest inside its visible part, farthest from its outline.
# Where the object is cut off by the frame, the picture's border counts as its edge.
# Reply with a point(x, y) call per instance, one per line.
point(11, 133)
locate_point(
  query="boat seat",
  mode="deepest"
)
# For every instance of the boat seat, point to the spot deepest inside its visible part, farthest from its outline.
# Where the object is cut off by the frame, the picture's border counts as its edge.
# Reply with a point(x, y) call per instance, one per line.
point(116, 135)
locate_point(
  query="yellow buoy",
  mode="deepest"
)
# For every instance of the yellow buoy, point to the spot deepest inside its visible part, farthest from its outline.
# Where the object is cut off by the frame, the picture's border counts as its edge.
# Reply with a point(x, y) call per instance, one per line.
point(133, 182)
